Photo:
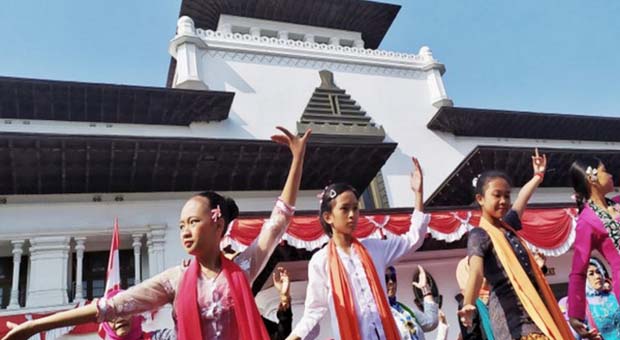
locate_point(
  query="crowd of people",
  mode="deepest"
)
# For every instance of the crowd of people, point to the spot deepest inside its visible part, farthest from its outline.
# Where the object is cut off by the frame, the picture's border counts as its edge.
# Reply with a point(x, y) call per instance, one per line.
point(504, 293)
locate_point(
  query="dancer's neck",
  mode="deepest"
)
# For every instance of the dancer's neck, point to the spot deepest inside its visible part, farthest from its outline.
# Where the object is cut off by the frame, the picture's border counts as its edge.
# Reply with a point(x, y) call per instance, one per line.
point(343, 241)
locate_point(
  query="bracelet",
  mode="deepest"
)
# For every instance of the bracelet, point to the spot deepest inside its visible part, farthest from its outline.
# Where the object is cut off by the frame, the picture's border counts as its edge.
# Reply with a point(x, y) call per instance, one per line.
point(426, 290)
point(540, 174)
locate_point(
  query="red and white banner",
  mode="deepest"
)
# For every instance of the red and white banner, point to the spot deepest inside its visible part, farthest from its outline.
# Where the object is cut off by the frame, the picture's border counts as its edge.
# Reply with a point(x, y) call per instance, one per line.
point(550, 231)
point(113, 275)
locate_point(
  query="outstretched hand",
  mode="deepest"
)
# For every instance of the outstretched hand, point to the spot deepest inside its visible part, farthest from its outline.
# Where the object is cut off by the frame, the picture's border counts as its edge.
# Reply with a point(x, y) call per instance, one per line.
point(18, 331)
point(583, 331)
point(539, 163)
point(416, 177)
point(296, 144)
point(466, 315)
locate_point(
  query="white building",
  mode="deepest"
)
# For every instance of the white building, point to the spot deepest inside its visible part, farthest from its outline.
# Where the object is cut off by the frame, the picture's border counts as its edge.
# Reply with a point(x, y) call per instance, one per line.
point(77, 155)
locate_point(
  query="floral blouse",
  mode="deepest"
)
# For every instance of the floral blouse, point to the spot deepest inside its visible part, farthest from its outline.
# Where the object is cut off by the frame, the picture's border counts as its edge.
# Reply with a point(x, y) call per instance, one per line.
point(214, 299)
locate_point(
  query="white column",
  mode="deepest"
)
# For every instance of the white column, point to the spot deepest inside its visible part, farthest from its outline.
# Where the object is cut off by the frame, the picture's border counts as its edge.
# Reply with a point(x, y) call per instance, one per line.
point(79, 261)
point(434, 70)
point(283, 35)
point(255, 31)
point(17, 259)
point(47, 285)
point(137, 248)
point(156, 240)
point(185, 48)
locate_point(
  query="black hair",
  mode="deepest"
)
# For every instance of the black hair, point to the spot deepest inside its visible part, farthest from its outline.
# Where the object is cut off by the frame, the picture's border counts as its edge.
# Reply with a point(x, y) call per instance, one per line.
point(579, 179)
point(228, 207)
point(485, 177)
point(327, 197)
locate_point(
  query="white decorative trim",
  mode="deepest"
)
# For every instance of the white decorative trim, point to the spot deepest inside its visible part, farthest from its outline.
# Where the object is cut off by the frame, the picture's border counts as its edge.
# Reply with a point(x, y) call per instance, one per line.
point(292, 52)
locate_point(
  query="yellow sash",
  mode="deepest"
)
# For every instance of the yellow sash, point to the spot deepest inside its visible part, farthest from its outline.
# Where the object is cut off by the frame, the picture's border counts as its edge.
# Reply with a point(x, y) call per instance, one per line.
point(542, 308)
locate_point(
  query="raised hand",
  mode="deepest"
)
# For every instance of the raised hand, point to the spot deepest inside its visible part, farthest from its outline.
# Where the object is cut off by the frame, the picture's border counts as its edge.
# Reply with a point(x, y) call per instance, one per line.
point(539, 163)
point(422, 281)
point(281, 281)
point(296, 144)
point(416, 177)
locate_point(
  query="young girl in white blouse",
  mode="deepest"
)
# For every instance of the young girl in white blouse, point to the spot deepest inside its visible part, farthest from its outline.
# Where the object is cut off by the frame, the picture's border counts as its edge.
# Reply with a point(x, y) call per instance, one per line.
point(346, 276)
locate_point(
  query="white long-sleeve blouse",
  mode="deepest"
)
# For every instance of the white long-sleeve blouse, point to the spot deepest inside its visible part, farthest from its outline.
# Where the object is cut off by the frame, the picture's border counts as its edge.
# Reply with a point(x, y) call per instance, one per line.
point(383, 253)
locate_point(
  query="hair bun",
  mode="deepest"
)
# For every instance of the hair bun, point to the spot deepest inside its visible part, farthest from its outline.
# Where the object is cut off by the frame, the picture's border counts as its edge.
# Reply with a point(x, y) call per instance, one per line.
point(232, 210)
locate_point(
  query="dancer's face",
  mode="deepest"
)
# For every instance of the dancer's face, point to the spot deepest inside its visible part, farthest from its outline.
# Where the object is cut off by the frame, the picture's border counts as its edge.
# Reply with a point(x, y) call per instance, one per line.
point(199, 233)
point(605, 180)
point(344, 214)
point(595, 278)
point(121, 326)
point(390, 282)
point(495, 202)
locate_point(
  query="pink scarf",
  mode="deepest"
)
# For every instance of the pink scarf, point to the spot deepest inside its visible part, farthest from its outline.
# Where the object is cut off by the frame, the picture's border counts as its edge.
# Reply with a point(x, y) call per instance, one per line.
point(249, 322)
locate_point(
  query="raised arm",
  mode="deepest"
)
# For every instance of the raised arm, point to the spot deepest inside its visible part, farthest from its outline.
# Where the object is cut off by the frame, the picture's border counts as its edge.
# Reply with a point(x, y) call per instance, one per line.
point(414, 237)
point(254, 258)
point(297, 145)
point(539, 164)
point(428, 318)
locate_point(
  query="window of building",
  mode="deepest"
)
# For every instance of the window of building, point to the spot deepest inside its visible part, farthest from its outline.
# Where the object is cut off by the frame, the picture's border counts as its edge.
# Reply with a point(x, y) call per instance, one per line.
point(6, 280)
point(95, 266)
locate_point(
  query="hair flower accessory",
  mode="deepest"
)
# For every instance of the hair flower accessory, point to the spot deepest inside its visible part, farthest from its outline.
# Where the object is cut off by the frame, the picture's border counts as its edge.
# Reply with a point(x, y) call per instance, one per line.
point(592, 174)
point(332, 194)
point(216, 213)
point(474, 181)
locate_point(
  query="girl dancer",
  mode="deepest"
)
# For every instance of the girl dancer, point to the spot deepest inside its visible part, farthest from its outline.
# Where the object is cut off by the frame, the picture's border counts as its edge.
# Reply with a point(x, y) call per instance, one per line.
point(517, 309)
point(211, 295)
point(344, 276)
point(597, 228)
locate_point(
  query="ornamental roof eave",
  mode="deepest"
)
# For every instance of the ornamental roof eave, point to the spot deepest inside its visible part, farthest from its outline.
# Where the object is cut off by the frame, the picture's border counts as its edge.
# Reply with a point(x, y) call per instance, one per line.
point(39, 99)
point(475, 122)
point(63, 164)
point(457, 189)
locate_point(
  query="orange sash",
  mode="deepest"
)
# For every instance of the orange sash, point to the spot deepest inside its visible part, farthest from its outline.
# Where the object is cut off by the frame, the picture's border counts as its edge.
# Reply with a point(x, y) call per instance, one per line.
point(550, 319)
point(343, 300)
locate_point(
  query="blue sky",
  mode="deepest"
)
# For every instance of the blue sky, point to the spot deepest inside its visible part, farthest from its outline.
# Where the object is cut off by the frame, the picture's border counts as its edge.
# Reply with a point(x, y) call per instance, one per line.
point(544, 56)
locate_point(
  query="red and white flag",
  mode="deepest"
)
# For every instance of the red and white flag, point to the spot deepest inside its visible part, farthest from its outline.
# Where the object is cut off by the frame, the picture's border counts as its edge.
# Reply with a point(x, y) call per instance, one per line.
point(113, 276)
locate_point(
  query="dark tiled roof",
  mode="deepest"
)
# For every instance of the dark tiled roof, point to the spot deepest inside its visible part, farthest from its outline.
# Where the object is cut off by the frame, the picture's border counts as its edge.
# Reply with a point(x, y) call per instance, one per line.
point(457, 189)
point(516, 124)
point(93, 102)
point(59, 164)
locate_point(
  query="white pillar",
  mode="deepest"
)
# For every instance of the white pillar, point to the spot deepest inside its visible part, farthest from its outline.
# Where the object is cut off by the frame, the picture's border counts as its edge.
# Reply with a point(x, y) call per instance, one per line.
point(283, 35)
point(79, 261)
point(156, 240)
point(226, 28)
point(47, 285)
point(137, 248)
point(255, 31)
point(434, 70)
point(17, 259)
point(185, 48)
